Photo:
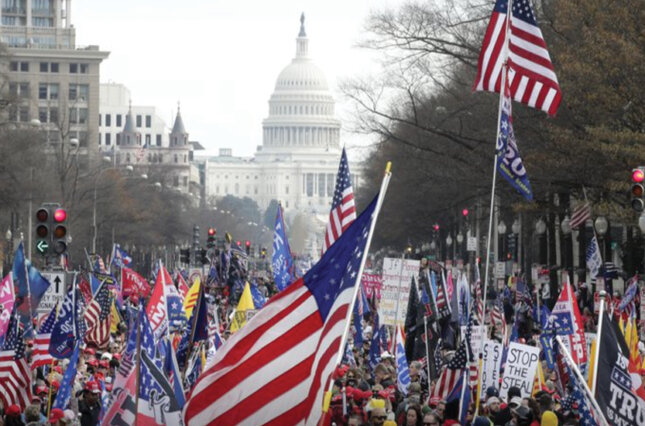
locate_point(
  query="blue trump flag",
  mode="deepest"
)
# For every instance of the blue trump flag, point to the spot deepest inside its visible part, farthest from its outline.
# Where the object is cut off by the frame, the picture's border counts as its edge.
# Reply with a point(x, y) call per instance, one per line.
point(69, 326)
point(258, 298)
point(509, 162)
point(281, 261)
point(64, 394)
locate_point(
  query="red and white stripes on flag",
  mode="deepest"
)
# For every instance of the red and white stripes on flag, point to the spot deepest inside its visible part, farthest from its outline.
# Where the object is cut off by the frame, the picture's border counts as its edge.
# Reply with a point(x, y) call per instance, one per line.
point(97, 318)
point(343, 210)
point(276, 369)
point(581, 213)
point(446, 383)
point(531, 76)
point(40, 355)
point(15, 375)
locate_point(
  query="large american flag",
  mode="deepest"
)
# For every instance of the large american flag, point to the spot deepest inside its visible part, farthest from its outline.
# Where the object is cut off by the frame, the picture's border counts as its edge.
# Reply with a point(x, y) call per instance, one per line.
point(15, 376)
point(343, 210)
point(97, 317)
point(531, 76)
point(40, 355)
point(277, 368)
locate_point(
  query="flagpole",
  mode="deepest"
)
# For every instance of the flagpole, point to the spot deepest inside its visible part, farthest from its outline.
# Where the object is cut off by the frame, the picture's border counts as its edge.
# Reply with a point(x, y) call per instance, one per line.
point(492, 194)
point(575, 370)
point(350, 310)
point(425, 326)
point(597, 353)
point(138, 367)
point(464, 372)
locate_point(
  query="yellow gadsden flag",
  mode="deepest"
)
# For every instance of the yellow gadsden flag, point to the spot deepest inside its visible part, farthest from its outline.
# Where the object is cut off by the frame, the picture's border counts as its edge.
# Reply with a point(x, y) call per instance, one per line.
point(191, 297)
point(244, 308)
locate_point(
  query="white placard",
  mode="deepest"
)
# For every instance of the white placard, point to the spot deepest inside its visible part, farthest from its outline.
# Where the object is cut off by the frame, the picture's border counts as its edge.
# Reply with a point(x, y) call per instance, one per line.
point(500, 269)
point(491, 364)
point(471, 244)
point(476, 338)
point(393, 277)
point(55, 292)
point(521, 366)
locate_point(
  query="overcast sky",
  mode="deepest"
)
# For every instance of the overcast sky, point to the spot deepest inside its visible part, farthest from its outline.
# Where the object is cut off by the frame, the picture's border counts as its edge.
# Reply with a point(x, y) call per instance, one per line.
point(220, 59)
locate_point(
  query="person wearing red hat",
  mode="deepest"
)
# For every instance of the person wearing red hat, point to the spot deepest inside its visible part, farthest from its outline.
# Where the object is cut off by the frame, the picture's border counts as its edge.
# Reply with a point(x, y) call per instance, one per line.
point(90, 405)
point(56, 417)
point(12, 416)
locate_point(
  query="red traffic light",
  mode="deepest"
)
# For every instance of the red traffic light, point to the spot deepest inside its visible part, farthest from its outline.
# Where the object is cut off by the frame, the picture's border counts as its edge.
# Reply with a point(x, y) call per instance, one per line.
point(435, 227)
point(464, 212)
point(60, 215)
point(239, 243)
point(638, 175)
point(247, 243)
point(211, 232)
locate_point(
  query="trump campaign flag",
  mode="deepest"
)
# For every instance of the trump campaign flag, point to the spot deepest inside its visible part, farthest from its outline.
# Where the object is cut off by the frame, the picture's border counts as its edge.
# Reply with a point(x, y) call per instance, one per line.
point(7, 299)
point(134, 283)
point(532, 79)
point(281, 261)
point(277, 368)
point(509, 162)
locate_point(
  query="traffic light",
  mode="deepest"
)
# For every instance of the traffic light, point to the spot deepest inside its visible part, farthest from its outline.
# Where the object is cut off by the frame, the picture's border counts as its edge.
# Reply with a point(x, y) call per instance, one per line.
point(210, 241)
point(247, 244)
point(638, 176)
point(43, 238)
point(263, 253)
point(465, 212)
point(203, 254)
point(59, 234)
point(184, 255)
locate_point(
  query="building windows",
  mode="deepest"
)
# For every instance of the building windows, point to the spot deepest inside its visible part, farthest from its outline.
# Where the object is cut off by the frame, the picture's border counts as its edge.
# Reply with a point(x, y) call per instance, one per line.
point(330, 184)
point(158, 140)
point(148, 121)
point(185, 180)
point(321, 184)
point(48, 115)
point(19, 66)
point(49, 67)
point(148, 140)
point(118, 120)
point(79, 92)
point(77, 115)
point(309, 184)
point(118, 138)
point(108, 121)
point(175, 158)
point(48, 91)
point(138, 120)
point(100, 120)
point(286, 189)
point(75, 68)
point(108, 139)
point(19, 90)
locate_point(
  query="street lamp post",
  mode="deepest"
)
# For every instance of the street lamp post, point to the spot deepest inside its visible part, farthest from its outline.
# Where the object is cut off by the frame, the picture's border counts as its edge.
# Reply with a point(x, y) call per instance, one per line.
point(602, 226)
point(540, 230)
point(565, 226)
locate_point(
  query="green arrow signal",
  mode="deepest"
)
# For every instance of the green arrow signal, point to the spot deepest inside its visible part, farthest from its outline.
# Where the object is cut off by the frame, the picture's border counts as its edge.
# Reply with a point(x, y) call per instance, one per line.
point(42, 246)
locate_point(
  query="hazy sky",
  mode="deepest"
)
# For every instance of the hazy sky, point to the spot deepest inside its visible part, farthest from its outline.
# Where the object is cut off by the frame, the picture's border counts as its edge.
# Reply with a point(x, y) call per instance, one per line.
point(220, 59)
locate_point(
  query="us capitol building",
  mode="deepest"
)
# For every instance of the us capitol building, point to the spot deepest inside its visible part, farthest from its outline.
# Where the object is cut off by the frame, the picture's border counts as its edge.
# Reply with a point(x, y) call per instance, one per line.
point(300, 152)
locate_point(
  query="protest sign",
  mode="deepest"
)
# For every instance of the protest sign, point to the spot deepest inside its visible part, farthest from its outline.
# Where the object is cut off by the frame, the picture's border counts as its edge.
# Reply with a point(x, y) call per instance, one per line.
point(492, 353)
point(396, 280)
point(372, 284)
point(521, 365)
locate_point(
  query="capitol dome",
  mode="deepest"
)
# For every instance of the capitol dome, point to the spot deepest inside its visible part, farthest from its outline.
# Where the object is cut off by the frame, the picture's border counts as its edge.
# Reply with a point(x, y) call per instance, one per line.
point(301, 108)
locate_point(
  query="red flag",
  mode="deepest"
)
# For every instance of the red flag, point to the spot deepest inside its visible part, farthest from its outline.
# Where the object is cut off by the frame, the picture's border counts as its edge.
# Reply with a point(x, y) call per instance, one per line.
point(134, 283)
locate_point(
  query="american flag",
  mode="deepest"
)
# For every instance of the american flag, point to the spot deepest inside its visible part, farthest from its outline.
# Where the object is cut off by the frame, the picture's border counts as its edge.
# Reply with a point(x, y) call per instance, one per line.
point(277, 368)
point(497, 316)
point(578, 394)
point(15, 376)
point(581, 213)
point(450, 375)
point(40, 355)
point(478, 296)
point(97, 317)
point(531, 76)
point(343, 210)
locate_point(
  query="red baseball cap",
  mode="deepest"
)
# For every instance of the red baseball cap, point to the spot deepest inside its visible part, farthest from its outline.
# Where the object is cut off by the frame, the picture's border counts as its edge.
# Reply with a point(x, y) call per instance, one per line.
point(41, 389)
point(104, 363)
point(93, 362)
point(55, 384)
point(89, 351)
point(13, 410)
point(116, 356)
point(92, 386)
point(56, 415)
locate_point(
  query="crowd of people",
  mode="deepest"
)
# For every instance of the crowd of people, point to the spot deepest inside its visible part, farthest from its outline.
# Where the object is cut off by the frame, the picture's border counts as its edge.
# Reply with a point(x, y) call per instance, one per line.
point(369, 387)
